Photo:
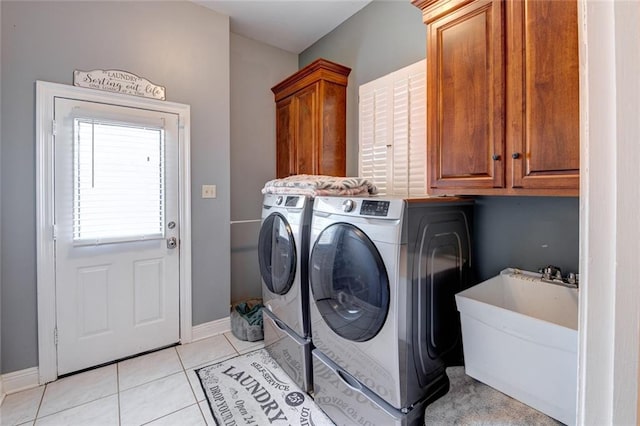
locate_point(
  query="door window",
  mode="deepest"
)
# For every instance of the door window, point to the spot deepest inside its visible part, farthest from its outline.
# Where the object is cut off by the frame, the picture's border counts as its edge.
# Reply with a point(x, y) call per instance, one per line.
point(119, 182)
point(277, 254)
point(349, 282)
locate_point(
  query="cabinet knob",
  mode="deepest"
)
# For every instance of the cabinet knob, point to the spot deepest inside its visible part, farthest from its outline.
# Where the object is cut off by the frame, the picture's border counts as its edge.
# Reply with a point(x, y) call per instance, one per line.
point(515, 155)
point(495, 157)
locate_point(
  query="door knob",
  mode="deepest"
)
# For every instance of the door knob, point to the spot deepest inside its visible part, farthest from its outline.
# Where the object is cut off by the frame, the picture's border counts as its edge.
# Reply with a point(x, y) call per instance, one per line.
point(495, 157)
point(515, 155)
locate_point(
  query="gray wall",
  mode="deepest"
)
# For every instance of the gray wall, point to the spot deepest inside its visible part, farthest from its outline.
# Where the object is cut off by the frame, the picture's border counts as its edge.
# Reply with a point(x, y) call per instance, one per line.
point(526, 232)
point(179, 45)
point(255, 68)
point(382, 37)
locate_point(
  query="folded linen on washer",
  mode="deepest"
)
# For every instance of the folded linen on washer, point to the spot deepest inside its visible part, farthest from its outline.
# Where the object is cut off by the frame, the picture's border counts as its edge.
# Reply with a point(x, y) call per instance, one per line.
point(319, 185)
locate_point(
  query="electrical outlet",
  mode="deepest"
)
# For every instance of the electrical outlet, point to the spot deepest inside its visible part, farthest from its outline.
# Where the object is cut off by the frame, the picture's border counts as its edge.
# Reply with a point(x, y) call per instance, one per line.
point(208, 191)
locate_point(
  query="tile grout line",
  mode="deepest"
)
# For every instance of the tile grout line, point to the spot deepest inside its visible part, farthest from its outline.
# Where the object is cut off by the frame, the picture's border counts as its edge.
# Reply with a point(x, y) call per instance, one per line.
point(232, 345)
point(205, 395)
point(184, 370)
point(168, 414)
point(191, 387)
point(72, 406)
point(252, 346)
point(201, 412)
point(40, 403)
point(118, 389)
point(176, 373)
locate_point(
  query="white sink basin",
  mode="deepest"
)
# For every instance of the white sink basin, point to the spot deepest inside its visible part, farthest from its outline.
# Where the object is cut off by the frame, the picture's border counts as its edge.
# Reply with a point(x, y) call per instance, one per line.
point(520, 336)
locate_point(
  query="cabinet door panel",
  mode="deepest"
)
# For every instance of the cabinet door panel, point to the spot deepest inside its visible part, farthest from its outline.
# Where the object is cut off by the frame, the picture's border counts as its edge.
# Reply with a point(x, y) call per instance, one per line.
point(307, 131)
point(546, 136)
point(332, 158)
point(285, 147)
point(465, 107)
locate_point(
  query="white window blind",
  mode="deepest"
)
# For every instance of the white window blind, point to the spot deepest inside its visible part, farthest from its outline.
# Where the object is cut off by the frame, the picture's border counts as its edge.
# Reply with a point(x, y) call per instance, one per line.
point(118, 180)
point(392, 130)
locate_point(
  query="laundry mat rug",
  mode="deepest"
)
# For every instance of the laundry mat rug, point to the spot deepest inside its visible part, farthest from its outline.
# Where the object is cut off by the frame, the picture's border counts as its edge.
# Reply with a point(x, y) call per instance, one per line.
point(252, 389)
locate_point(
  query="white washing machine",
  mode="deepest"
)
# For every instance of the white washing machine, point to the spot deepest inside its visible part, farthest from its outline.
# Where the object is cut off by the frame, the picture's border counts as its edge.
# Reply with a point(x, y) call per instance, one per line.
point(383, 274)
point(283, 249)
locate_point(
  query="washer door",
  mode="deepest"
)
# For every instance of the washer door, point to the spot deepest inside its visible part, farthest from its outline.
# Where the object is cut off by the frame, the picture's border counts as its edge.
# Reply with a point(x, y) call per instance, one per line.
point(277, 254)
point(349, 282)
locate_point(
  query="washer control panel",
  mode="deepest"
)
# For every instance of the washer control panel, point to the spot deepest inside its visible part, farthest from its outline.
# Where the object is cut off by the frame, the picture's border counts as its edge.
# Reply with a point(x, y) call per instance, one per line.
point(374, 208)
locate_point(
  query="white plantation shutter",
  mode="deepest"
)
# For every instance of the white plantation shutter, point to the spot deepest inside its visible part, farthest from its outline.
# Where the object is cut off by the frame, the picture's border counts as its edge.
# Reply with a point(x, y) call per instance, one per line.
point(417, 151)
point(400, 142)
point(382, 142)
point(393, 131)
point(366, 124)
point(375, 135)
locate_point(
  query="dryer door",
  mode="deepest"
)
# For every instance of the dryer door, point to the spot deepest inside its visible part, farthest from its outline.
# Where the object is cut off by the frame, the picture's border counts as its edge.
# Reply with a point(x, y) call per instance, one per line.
point(349, 282)
point(277, 254)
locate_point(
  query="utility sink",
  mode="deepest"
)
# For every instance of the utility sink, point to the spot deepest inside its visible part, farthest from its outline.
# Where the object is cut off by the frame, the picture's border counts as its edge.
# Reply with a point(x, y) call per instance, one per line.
point(520, 336)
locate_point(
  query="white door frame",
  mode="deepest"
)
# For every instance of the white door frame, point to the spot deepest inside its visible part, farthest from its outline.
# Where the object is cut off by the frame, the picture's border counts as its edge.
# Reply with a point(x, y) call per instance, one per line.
point(609, 324)
point(45, 94)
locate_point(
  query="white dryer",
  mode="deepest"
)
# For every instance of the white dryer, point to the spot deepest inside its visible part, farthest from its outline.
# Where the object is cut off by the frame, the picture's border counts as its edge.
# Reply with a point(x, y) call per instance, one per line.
point(283, 248)
point(383, 275)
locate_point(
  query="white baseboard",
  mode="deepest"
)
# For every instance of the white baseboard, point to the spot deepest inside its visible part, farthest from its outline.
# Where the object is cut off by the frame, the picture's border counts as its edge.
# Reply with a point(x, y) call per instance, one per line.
point(210, 329)
point(20, 380)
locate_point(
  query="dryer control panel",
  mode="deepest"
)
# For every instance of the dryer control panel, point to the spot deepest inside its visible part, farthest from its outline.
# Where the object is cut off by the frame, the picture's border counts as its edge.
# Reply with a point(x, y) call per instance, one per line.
point(374, 208)
point(292, 201)
point(288, 202)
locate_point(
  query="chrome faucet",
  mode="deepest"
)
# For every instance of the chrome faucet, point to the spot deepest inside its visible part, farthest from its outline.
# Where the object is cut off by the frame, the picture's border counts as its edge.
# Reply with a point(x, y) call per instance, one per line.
point(553, 274)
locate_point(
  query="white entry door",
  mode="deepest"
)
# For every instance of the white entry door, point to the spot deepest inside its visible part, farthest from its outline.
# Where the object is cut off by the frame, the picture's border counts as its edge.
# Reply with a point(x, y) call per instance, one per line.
point(116, 232)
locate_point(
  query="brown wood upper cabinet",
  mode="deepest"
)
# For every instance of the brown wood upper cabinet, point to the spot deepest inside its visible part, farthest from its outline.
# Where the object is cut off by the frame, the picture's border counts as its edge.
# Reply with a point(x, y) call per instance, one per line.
point(502, 97)
point(311, 120)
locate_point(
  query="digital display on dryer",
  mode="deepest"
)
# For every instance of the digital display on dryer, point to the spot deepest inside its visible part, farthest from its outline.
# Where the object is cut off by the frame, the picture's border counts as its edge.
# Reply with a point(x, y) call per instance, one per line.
point(291, 201)
point(374, 208)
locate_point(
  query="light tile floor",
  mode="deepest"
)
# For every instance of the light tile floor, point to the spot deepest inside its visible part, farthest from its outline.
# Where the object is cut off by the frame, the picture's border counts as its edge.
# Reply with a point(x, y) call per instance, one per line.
point(157, 389)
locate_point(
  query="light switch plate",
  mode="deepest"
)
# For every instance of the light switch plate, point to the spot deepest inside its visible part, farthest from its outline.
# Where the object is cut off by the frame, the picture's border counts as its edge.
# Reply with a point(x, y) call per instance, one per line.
point(209, 191)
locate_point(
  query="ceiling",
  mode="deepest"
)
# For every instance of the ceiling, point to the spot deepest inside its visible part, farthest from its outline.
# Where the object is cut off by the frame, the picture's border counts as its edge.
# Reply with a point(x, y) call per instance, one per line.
point(291, 25)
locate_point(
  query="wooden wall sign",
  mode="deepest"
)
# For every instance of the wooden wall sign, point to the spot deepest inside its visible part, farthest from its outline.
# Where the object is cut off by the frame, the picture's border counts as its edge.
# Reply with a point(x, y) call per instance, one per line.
point(119, 82)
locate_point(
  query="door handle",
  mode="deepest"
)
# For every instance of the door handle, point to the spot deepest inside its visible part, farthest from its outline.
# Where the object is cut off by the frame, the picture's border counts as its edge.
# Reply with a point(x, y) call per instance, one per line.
point(172, 243)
